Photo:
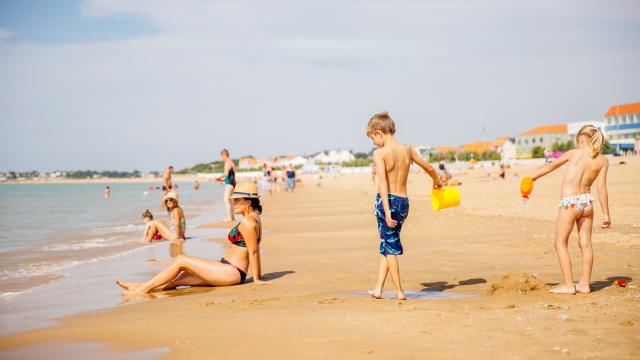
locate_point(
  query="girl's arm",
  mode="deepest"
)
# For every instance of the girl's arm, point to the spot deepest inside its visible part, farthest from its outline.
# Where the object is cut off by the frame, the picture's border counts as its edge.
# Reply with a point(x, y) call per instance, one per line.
point(603, 195)
point(383, 187)
point(547, 168)
point(145, 236)
point(251, 239)
point(427, 168)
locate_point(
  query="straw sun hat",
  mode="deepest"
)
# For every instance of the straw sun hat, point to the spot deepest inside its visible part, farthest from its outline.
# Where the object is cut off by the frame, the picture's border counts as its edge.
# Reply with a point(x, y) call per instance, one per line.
point(170, 195)
point(245, 190)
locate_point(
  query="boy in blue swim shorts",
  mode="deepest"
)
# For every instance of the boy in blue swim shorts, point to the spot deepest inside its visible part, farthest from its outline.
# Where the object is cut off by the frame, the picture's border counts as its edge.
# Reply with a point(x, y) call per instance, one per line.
point(392, 161)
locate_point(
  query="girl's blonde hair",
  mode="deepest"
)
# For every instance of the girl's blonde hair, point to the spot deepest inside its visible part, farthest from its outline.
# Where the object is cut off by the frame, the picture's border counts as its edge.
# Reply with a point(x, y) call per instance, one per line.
point(594, 138)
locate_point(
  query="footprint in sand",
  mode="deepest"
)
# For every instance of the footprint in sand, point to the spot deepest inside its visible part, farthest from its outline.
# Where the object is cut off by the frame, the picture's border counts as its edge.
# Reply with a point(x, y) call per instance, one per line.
point(330, 301)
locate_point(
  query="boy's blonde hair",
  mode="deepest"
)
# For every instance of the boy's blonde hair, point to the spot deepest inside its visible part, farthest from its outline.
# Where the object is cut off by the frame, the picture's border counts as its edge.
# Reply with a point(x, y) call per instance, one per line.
point(594, 138)
point(383, 122)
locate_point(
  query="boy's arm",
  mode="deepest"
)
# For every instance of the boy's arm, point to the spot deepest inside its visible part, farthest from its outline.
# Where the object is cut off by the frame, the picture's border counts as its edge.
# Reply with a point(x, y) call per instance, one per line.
point(383, 185)
point(427, 168)
point(547, 168)
point(603, 195)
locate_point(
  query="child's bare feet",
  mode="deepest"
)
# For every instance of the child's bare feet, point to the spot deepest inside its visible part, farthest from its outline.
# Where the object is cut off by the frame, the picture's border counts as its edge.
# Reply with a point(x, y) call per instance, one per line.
point(375, 294)
point(563, 289)
point(583, 289)
point(401, 296)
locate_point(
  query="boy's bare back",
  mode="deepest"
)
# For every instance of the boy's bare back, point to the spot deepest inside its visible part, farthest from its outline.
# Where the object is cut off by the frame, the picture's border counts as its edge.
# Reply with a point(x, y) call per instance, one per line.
point(396, 159)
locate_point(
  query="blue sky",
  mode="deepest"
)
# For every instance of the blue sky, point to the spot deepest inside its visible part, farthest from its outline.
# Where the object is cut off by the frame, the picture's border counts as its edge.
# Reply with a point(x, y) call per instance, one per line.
point(118, 84)
point(61, 21)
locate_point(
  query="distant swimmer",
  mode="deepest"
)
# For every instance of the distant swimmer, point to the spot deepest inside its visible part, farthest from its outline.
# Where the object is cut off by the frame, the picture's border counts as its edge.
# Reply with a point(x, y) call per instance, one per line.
point(242, 255)
point(229, 179)
point(167, 184)
point(196, 185)
point(107, 192)
point(158, 229)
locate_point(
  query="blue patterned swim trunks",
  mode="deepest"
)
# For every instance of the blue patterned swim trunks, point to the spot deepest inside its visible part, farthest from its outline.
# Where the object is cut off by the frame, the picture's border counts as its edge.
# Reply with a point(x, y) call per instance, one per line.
point(390, 237)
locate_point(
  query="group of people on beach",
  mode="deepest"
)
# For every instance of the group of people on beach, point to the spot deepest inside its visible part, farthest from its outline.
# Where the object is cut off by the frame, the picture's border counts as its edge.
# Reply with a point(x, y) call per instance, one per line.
point(392, 160)
point(244, 253)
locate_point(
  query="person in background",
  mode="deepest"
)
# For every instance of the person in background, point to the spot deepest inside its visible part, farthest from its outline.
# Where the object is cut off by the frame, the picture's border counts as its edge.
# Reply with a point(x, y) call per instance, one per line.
point(229, 179)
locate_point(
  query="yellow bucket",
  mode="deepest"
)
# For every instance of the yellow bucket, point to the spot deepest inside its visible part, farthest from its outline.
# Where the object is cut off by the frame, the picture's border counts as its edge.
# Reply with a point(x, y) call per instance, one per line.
point(444, 198)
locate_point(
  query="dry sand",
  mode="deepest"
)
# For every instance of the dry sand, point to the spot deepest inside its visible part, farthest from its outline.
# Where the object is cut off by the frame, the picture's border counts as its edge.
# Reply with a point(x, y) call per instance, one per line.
point(320, 249)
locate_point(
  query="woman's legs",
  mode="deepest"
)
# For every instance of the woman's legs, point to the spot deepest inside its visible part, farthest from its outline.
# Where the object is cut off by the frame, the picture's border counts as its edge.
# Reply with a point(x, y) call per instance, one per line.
point(228, 202)
point(161, 227)
point(585, 225)
point(212, 273)
point(564, 226)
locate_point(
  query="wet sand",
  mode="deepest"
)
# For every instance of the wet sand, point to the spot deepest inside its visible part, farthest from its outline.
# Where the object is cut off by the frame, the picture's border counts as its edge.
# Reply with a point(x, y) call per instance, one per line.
point(320, 250)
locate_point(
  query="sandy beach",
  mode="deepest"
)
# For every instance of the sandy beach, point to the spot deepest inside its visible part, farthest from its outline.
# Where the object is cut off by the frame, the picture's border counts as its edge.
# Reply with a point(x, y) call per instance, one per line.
point(477, 277)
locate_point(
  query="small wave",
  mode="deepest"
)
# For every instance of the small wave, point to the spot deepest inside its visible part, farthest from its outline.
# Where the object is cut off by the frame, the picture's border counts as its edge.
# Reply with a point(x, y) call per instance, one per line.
point(119, 228)
point(10, 294)
point(84, 245)
point(47, 268)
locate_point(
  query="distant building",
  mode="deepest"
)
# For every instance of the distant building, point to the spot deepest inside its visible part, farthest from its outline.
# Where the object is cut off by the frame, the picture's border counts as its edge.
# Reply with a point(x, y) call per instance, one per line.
point(292, 160)
point(623, 126)
point(574, 127)
point(444, 149)
point(424, 151)
point(333, 157)
point(506, 147)
point(543, 136)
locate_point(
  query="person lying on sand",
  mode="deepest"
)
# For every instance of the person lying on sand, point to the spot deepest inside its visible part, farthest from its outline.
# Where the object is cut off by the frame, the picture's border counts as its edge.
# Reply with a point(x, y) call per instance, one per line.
point(243, 253)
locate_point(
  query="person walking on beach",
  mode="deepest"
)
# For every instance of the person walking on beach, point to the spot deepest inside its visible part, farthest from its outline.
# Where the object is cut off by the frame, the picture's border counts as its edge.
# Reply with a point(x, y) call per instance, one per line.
point(244, 253)
point(107, 192)
point(267, 179)
point(178, 225)
point(167, 184)
point(290, 178)
point(229, 179)
point(393, 161)
point(585, 165)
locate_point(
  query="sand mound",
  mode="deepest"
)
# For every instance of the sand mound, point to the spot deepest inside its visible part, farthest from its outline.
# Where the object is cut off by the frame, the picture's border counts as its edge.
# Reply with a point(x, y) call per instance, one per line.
point(516, 282)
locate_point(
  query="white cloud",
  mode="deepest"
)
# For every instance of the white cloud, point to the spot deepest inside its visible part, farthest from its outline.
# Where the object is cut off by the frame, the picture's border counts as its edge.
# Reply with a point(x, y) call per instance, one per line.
point(270, 77)
point(5, 34)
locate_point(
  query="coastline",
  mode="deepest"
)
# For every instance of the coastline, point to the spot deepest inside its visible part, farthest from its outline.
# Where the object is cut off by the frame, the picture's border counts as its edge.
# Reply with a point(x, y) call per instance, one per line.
point(320, 251)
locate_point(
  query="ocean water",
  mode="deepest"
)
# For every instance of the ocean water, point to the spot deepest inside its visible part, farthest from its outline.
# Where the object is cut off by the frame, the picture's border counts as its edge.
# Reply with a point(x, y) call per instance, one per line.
point(48, 229)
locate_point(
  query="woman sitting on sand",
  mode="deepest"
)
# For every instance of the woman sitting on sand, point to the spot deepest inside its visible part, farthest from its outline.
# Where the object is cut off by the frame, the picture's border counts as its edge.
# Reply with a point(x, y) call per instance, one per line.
point(173, 232)
point(232, 268)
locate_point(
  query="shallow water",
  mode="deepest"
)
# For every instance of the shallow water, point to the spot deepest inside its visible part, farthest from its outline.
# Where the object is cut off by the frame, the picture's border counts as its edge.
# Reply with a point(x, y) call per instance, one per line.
point(91, 286)
point(78, 350)
point(49, 229)
point(421, 295)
